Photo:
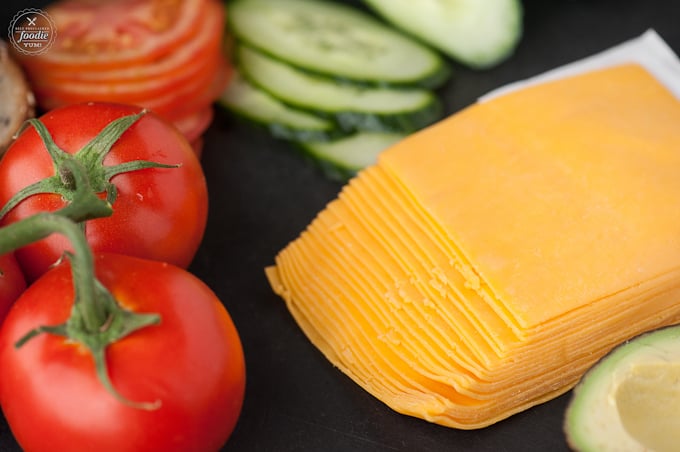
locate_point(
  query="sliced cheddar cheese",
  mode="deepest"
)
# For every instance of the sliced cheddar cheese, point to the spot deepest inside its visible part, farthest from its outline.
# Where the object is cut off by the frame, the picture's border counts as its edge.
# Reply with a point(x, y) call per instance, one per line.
point(484, 263)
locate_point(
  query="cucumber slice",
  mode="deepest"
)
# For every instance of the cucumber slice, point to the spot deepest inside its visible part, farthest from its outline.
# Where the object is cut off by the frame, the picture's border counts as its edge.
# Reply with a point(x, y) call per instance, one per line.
point(341, 159)
point(352, 107)
point(479, 33)
point(282, 121)
point(335, 40)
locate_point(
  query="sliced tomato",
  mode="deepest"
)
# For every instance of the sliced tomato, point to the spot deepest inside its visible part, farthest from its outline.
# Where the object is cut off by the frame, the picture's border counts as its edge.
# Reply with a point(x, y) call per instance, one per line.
point(139, 92)
point(189, 107)
point(191, 65)
point(173, 64)
point(197, 95)
point(192, 126)
point(108, 35)
point(197, 145)
point(177, 77)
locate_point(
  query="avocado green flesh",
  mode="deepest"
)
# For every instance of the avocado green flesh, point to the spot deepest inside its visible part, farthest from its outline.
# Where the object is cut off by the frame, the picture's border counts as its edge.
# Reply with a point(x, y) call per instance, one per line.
point(648, 402)
point(629, 401)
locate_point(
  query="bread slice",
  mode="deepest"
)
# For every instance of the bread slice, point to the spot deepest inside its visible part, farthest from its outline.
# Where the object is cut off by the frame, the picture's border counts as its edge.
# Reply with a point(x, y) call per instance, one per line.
point(18, 102)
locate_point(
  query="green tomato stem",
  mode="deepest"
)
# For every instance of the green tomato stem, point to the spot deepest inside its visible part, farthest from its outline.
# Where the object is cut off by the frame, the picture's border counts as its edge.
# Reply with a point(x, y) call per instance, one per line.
point(43, 224)
point(97, 319)
point(90, 158)
point(88, 205)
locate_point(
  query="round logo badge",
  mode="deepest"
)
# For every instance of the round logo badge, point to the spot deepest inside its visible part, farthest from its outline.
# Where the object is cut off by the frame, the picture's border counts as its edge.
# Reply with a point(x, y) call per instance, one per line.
point(32, 31)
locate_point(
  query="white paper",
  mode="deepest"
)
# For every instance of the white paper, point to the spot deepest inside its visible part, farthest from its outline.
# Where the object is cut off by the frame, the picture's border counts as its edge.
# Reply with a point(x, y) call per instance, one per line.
point(649, 50)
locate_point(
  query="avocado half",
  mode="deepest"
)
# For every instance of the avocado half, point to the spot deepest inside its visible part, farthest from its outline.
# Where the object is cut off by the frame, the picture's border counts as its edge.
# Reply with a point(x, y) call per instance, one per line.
point(630, 400)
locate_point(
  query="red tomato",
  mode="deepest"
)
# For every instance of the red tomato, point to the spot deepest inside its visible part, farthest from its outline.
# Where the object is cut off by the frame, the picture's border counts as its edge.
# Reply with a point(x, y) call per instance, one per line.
point(12, 283)
point(191, 362)
point(160, 213)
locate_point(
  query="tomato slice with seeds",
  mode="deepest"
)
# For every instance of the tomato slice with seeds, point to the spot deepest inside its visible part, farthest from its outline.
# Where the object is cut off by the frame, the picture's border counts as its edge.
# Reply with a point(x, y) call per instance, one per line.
point(191, 64)
point(163, 55)
point(140, 92)
point(107, 35)
point(200, 94)
point(206, 43)
point(192, 126)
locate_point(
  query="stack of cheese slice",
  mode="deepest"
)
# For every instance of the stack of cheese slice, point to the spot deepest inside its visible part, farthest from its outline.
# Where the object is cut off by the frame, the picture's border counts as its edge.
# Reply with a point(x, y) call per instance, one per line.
point(483, 264)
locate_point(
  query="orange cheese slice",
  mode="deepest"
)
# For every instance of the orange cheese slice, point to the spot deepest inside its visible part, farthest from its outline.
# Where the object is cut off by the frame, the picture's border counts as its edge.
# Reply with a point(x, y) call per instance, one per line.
point(576, 177)
point(483, 264)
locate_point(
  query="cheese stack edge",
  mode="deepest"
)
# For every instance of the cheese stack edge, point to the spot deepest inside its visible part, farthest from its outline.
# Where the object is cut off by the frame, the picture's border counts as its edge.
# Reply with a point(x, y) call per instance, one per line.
point(486, 262)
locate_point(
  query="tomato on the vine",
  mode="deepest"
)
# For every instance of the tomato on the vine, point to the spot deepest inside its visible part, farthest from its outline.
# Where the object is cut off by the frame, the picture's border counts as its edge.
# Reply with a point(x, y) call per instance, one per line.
point(159, 213)
point(189, 366)
point(12, 283)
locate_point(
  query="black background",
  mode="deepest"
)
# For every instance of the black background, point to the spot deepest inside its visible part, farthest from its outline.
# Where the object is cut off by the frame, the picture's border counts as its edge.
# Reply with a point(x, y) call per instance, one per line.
point(262, 195)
